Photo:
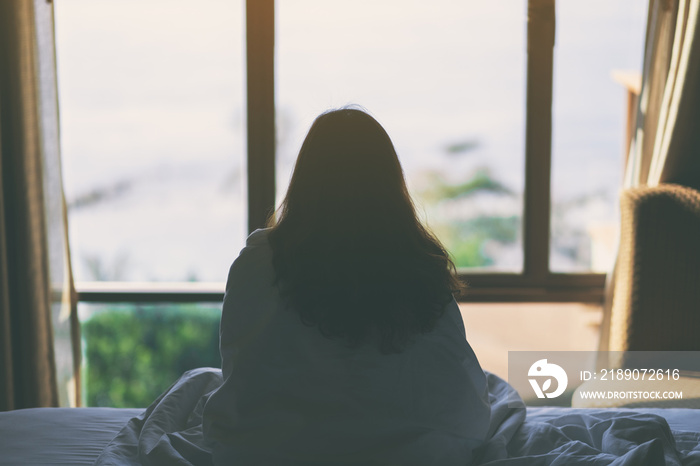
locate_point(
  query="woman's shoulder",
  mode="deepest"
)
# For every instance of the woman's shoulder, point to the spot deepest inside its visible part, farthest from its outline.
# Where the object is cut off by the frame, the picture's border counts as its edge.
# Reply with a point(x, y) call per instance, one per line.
point(258, 238)
point(256, 244)
point(254, 258)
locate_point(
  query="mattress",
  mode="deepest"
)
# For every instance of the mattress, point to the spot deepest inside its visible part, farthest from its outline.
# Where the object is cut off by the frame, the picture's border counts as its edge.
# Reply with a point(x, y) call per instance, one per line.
point(70, 436)
point(76, 436)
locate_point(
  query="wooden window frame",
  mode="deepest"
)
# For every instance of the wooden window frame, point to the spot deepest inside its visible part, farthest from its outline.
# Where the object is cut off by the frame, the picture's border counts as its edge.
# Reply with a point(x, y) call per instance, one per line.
point(536, 283)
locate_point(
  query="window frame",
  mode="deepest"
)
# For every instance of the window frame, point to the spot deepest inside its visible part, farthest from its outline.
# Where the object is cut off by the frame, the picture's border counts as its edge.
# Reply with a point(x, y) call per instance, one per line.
point(536, 283)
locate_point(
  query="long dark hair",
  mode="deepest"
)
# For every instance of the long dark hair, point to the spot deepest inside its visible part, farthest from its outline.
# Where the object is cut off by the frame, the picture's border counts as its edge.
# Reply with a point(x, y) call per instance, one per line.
point(350, 254)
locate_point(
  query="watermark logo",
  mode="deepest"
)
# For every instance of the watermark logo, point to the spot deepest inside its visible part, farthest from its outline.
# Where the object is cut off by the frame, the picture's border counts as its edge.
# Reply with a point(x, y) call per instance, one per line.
point(542, 370)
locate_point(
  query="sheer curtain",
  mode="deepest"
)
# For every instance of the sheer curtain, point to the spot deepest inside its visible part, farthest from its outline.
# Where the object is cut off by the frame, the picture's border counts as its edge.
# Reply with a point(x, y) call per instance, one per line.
point(666, 144)
point(666, 147)
point(39, 341)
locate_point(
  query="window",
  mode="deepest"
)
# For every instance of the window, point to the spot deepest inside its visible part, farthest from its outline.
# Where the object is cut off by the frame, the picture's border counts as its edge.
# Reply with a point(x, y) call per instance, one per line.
point(134, 351)
point(152, 129)
point(181, 120)
point(588, 137)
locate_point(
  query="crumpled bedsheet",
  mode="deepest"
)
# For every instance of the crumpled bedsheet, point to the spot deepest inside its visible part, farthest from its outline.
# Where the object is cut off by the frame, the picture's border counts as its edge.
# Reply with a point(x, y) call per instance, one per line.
point(169, 432)
point(592, 437)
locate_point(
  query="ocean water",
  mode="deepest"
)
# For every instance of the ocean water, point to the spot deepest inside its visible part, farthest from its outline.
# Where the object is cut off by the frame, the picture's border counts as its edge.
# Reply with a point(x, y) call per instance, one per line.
point(152, 101)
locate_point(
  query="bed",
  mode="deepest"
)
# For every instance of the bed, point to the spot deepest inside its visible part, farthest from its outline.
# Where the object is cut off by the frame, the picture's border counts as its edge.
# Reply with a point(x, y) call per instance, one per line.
point(76, 436)
point(517, 436)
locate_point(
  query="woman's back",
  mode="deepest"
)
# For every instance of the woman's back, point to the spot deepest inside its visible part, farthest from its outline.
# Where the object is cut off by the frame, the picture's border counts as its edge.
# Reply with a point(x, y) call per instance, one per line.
point(293, 396)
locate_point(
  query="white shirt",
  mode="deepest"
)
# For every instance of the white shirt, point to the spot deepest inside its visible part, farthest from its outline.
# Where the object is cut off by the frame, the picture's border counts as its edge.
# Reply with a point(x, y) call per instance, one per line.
point(294, 397)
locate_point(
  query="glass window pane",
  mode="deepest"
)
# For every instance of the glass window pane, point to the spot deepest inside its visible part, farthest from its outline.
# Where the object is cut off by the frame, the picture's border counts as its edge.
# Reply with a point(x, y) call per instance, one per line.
point(446, 78)
point(597, 41)
point(152, 132)
point(134, 352)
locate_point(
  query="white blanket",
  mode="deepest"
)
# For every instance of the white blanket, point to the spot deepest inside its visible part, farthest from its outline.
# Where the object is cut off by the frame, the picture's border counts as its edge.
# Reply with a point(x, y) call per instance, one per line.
point(169, 433)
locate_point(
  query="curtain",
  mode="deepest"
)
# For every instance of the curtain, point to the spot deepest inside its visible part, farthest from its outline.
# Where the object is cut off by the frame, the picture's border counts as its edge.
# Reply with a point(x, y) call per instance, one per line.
point(38, 316)
point(666, 143)
point(666, 147)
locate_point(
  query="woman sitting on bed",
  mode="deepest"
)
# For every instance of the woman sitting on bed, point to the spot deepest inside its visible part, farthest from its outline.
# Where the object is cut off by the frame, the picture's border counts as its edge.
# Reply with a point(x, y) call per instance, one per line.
point(340, 337)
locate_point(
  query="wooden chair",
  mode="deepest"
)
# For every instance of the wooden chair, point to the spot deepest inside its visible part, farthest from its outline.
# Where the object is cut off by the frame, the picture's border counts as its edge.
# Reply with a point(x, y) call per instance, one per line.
point(655, 294)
